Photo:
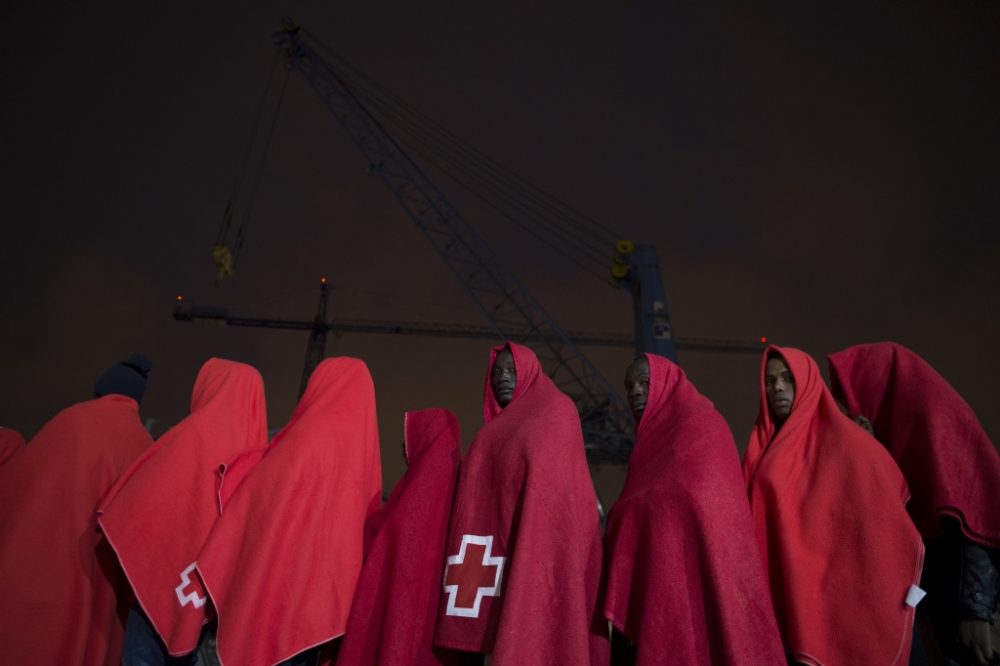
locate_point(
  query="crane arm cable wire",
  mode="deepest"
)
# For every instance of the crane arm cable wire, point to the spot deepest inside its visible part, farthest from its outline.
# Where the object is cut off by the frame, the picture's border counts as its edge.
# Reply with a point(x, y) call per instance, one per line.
point(244, 164)
point(241, 231)
point(364, 86)
point(503, 201)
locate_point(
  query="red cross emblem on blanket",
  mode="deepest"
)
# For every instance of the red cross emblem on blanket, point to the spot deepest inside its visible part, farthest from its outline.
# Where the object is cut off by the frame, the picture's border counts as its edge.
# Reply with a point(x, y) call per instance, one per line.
point(472, 574)
point(192, 597)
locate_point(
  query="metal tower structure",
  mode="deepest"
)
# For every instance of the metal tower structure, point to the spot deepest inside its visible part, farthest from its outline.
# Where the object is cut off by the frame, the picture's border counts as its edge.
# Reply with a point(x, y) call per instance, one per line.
point(637, 268)
point(510, 310)
point(317, 337)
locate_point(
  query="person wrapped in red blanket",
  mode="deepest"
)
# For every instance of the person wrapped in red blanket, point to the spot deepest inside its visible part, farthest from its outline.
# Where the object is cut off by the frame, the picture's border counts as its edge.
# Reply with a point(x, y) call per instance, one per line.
point(684, 579)
point(524, 547)
point(953, 471)
point(159, 514)
point(395, 606)
point(828, 503)
point(64, 597)
point(282, 564)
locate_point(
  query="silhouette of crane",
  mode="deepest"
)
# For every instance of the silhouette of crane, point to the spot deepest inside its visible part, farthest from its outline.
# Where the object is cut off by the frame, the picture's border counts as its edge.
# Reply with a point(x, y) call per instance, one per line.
point(392, 136)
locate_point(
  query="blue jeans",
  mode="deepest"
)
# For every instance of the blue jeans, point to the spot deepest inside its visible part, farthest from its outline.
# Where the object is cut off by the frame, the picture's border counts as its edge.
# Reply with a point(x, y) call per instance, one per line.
point(143, 646)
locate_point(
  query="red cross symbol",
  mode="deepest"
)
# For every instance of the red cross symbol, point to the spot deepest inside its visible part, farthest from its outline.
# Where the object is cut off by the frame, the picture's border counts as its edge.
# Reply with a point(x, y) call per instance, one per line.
point(471, 575)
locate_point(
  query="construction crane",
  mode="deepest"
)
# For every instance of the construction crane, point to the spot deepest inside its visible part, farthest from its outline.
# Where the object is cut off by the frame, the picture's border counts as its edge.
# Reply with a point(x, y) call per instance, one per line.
point(510, 310)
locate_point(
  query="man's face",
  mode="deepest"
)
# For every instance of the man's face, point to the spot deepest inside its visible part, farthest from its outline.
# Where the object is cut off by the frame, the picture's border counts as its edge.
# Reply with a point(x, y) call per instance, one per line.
point(637, 386)
point(779, 385)
point(503, 377)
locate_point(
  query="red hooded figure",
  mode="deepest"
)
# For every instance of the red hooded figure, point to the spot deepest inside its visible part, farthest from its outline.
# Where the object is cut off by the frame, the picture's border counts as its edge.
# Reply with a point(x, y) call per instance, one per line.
point(828, 506)
point(395, 606)
point(282, 564)
point(159, 514)
point(953, 470)
point(947, 458)
point(684, 579)
point(64, 597)
point(10, 443)
point(524, 546)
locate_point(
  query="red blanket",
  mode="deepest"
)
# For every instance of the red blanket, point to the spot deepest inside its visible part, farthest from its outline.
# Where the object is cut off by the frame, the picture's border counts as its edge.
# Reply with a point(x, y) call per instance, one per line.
point(64, 599)
point(828, 506)
point(684, 577)
point(282, 563)
point(948, 460)
point(10, 443)
point(524, 545)
point(158, 516)
point(395, 606)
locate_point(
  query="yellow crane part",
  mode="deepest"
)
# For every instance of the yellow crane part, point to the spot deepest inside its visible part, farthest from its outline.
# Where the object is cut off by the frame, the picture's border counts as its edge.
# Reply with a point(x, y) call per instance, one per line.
point(223, 259)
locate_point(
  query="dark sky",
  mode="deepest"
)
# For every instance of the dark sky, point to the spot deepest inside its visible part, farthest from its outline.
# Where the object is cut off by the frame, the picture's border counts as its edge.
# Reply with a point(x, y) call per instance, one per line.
point(819, 175)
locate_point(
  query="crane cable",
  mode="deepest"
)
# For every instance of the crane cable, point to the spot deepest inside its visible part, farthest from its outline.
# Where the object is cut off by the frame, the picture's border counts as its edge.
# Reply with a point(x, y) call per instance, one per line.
point(568, 229)
point(436, 136)
point(507, 203)
point(485, 174)
point(224, 253)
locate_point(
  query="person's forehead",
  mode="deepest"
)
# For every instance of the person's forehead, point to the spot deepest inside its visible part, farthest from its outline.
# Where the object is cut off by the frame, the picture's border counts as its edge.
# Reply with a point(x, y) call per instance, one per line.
point(505, 353)
point(777, 365)
point(638, 365)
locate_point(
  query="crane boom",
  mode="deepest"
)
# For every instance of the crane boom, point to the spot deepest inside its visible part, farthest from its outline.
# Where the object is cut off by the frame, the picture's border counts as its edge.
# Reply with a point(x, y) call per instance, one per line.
point(340, 325)
point(511, 311)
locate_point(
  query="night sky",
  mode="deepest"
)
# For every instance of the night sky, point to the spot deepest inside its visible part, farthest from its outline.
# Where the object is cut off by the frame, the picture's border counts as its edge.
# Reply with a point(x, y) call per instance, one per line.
point(821, 176)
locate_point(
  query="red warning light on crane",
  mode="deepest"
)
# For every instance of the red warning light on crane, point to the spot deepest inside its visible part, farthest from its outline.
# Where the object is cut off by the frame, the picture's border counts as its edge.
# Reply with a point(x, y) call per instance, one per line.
point(763, 341)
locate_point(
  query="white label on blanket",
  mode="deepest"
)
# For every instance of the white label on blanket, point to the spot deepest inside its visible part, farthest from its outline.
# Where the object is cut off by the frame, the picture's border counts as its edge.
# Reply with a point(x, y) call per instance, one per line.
point(191, 597)
point(914, 596)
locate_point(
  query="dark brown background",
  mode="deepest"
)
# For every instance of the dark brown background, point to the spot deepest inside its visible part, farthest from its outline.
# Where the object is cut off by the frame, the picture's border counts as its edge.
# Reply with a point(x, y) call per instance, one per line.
point(820, 176)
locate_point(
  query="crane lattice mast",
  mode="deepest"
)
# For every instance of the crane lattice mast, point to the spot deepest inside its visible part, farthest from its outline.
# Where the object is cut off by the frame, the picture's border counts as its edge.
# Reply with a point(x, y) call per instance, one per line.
point(511, 311)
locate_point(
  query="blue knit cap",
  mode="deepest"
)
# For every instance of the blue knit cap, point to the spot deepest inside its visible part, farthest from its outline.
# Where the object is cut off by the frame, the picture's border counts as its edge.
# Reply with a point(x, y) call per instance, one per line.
point(126, 378)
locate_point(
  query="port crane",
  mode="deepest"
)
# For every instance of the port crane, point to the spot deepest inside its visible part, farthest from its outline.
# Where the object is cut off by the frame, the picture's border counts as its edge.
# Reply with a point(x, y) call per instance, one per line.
point(511, 312)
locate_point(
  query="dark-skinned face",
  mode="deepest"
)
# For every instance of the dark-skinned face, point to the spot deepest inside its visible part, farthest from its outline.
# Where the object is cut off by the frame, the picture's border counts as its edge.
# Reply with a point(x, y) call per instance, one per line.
point(503, 378)
point(637, 386)
point(779, 386)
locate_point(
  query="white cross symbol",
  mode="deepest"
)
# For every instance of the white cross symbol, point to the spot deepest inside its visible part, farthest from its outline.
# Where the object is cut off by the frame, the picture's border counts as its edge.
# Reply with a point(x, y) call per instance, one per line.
point(466, 583)
point(193, 597)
